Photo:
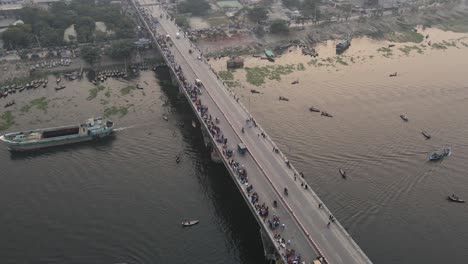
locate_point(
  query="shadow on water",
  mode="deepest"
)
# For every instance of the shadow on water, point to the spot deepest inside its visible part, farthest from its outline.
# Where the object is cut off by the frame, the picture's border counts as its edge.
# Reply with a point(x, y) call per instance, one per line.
point(233, 214)
point(98, 145)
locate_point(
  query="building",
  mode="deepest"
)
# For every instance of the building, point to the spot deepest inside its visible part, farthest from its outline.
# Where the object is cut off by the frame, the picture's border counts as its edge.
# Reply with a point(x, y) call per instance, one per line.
point(10, 8)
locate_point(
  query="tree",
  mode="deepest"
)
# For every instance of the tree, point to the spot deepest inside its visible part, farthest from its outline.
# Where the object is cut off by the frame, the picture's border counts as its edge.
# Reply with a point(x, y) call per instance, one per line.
point(309, 8)
point(291, 4)
point(196, 7)
point(279, 26)
point(85, 27)
point(258, 13)
point(182, 22)
point(18, 36)
point(90, 54)
point(121, 49)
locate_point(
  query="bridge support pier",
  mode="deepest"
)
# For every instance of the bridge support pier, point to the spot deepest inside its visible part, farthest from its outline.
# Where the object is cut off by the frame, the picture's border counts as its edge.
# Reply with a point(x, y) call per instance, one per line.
point(269, 248)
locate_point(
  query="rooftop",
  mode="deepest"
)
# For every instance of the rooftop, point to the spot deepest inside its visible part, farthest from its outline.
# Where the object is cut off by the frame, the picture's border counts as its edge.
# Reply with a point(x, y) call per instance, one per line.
point(229, 4)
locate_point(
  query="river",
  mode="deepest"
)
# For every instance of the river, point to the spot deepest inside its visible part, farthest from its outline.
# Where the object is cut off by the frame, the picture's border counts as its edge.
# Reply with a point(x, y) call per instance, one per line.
point(122, 200)
point(393, 202)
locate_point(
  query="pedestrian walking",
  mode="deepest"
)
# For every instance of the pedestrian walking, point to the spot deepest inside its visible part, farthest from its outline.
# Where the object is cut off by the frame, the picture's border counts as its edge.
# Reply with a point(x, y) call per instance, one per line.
point(320, 205)
point(328, 225)
point(283, 226)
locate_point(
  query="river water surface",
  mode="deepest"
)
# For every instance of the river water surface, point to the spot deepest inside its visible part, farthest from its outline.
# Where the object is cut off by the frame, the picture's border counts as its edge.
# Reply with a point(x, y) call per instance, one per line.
point(122, 199)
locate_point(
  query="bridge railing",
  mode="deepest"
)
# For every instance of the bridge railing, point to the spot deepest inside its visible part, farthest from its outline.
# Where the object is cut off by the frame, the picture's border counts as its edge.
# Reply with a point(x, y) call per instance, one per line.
point(218, 147)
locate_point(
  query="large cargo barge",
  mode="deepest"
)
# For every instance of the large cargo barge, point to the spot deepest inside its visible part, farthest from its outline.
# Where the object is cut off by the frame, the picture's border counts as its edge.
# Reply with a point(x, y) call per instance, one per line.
point(92, 129)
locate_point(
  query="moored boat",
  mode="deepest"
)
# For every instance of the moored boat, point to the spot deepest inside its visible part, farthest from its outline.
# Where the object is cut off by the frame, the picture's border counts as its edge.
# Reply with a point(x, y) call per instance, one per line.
point(440, 154)
point(343, 45)
point(404, 118)
point(92, 129)
point(10, 103)
point(60, 88)
point(326, 114)
point(282, 98)
point(270, 55)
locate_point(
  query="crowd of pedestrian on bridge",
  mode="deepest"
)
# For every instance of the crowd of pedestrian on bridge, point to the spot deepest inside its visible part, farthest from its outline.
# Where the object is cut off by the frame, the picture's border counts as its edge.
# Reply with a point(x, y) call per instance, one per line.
point(193, 90)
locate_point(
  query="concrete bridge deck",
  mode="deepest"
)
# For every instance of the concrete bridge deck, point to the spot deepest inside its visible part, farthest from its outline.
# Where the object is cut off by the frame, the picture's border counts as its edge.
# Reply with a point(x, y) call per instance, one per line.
point(305, 223)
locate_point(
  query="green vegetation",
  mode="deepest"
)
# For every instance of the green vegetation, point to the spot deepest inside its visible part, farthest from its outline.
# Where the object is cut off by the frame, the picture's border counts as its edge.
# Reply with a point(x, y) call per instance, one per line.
point(48, 27)
point(340, 60)
point(232, 84)
point(386, 52)
point(226, 75)
point(258, 13)
point(39, 104)
point(90, 54)
point(300, 67)
point(121, 49)
point(104, 102)
point(6, 120)
point(438, 46)
point(257, 75)
point(405, 36)
point(111, 111)
point(313, 62)
point(195, 7)
point(407, 49)
point(127, 90)
point(93, 92)
point(182, 21)
point(17, 36)
point(279, 26)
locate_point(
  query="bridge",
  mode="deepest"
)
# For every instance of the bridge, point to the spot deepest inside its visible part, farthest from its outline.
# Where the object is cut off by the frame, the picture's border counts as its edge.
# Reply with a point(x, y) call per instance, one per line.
point(294, 225)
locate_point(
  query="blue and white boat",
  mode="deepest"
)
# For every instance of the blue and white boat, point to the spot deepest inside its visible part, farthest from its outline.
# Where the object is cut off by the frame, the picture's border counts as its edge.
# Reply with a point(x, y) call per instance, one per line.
point(440, 154)
point(92, 129)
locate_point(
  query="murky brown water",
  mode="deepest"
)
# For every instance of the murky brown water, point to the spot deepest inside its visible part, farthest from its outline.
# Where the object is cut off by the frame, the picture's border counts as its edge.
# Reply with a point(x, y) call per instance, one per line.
point(394, 201)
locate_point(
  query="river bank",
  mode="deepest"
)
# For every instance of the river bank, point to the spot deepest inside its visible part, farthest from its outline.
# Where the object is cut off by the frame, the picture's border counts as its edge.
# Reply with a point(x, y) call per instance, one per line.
point(391, 27)
point(17, 69)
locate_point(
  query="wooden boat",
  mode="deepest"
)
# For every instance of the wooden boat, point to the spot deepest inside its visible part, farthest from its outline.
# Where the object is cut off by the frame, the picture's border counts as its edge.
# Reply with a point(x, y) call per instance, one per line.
point(343, 173)
point(165, 118)
point(177, 159)
point(282, 98)
point(139, 87)
point(58, 79)
point(326, 114)
point(295, 82)
point(425, 134)
point(10, 103)
point(60, 88)
point(254, 91)
point(189, 222)
point(313, 109)
point(455, 199)
point(404, 118)
point(440, 154)
point(393, 74)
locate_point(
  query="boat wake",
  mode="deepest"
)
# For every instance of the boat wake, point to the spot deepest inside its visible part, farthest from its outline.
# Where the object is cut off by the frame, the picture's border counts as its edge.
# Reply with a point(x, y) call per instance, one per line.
point(123, 128)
